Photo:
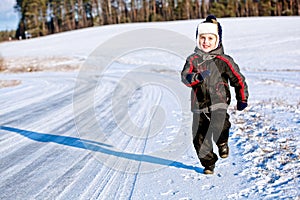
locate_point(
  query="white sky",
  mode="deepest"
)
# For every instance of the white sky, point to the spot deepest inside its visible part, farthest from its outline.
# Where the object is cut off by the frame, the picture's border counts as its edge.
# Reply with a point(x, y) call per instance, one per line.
point(8, 17)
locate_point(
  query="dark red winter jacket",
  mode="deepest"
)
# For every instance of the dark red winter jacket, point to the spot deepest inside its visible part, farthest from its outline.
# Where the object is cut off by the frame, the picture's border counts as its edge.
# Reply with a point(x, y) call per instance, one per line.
point(214, 92)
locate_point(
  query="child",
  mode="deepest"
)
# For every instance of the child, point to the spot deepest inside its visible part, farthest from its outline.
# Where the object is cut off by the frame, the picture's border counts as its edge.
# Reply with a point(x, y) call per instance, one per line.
point(208, 71)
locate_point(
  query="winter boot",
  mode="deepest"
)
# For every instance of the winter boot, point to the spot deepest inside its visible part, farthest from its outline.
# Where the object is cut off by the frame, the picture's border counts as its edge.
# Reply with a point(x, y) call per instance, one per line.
point(209, 169)
point(223, 150)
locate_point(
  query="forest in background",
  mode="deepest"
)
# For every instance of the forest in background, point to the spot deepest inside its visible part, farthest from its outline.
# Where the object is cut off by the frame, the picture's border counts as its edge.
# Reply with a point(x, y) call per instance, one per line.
point(44, 17)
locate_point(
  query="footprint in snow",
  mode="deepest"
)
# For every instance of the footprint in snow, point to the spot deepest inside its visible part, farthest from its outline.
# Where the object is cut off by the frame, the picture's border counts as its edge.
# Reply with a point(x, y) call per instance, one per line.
point(191, 176)
point(207, 187)
point(169, 192)
point(170, 181)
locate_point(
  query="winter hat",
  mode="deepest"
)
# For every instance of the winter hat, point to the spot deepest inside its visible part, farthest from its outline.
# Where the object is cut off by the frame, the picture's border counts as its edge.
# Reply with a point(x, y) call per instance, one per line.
point(210, 25)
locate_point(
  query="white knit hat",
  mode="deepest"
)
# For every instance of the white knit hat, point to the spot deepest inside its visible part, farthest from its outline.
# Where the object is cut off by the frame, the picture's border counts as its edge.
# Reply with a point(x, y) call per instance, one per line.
point(210, 25)
point(211, 28)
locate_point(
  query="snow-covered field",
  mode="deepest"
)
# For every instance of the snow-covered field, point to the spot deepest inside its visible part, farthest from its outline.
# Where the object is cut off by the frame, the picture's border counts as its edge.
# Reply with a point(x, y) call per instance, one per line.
point(90, 114)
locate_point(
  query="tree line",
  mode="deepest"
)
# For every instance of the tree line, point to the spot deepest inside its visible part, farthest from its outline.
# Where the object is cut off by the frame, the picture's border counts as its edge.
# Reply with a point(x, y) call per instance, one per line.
point(43, 17)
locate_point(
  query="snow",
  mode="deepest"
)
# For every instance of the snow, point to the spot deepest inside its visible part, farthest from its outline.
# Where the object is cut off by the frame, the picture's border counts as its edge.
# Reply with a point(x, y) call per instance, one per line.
point(81, 127)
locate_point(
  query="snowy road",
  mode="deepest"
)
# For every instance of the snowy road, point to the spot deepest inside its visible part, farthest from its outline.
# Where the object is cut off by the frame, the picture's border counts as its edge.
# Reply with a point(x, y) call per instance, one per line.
point(126, 133)
point(44, 158)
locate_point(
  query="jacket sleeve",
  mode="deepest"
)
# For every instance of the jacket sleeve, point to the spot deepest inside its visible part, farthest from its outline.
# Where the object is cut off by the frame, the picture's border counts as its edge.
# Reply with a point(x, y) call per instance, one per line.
point(236, 79)
point(188, 74)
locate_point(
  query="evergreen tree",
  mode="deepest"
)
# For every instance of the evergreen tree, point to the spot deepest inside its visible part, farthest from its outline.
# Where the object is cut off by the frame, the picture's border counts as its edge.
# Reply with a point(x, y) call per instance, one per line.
point(41, 17)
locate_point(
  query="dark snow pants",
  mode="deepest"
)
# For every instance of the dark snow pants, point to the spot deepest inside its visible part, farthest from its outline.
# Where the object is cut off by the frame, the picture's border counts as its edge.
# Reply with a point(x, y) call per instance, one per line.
point(209, 127)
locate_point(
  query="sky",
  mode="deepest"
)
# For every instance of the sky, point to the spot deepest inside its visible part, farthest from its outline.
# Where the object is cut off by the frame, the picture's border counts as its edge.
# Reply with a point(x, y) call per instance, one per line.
point(8, 16)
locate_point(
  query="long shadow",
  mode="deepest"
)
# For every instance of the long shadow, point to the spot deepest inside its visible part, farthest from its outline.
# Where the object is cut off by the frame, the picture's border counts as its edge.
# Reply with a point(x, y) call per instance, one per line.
point(97, 147)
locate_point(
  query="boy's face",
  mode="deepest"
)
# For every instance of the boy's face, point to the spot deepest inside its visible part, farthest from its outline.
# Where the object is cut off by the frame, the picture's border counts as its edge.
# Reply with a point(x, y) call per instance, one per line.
point(207, 42)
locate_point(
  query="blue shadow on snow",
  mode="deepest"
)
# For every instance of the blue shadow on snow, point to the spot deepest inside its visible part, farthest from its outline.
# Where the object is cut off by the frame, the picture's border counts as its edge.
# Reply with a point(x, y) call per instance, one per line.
point(97, 147)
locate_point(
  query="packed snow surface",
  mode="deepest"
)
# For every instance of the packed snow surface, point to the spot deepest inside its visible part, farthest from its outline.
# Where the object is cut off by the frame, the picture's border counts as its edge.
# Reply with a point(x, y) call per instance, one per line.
point(101, 113)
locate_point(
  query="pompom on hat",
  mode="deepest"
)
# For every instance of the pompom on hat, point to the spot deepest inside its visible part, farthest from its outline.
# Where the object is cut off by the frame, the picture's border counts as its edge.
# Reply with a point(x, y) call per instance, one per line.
point(210, 25)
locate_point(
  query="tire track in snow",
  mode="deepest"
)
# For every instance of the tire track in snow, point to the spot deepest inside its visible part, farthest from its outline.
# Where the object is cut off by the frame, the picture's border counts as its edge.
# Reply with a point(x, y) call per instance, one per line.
point(61, 183)
point(40, 120)
point(113, 185)
point(145, 143)
point(126, 144)
point(21, 165)
point(39, 103)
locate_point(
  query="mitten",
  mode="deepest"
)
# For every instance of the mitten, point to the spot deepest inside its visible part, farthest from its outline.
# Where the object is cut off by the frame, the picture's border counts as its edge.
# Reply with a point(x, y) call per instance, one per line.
point(241, 105)
point(202, 75)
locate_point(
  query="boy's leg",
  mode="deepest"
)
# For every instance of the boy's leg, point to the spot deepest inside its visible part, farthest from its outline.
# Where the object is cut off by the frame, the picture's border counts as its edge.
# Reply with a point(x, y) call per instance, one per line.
point(202, 140)
point(223, 136)
point(221, 132)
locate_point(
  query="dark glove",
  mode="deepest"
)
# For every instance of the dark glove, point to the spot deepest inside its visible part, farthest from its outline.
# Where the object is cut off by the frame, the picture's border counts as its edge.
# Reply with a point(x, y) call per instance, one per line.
point(241, 105)
point(202, 75)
